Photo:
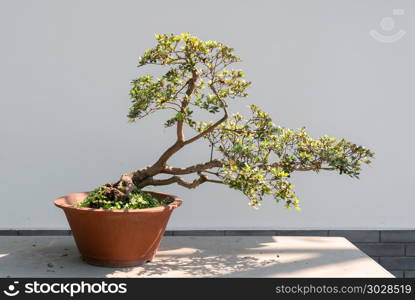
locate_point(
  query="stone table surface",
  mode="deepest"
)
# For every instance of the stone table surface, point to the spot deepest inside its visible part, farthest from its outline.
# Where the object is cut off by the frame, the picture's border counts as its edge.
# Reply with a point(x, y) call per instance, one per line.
point(197, 256)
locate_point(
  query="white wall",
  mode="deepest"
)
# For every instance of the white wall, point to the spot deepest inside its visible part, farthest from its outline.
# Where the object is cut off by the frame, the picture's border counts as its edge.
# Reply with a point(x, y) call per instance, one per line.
point(65, 68)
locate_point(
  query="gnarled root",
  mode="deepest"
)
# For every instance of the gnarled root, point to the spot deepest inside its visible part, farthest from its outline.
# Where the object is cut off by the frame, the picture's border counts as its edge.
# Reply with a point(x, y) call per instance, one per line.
point(118, 191)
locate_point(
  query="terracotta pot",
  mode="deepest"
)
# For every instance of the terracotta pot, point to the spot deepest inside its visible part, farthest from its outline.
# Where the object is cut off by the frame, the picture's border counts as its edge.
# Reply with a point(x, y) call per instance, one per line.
point(117, 238)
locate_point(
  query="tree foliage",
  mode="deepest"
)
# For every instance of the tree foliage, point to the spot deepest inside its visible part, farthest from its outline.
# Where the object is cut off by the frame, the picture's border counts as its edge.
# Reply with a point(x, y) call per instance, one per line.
point(252, 155)
point(197, 77)
point(259, 157)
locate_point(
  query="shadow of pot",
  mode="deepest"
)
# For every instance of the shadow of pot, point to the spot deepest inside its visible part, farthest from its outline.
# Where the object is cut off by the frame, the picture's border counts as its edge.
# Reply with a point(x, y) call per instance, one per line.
point(117, 238)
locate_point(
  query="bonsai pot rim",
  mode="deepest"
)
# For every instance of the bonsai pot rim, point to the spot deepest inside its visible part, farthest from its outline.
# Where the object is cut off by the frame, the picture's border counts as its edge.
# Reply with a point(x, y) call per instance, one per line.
point(62, 203)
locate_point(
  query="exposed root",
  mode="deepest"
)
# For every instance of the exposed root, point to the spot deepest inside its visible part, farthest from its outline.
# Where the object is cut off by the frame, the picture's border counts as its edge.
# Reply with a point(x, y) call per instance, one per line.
point(119, 190)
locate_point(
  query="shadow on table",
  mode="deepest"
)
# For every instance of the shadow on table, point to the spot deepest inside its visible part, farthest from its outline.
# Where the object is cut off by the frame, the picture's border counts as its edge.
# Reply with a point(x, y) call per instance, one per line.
point(184, 257)
point(243, 257)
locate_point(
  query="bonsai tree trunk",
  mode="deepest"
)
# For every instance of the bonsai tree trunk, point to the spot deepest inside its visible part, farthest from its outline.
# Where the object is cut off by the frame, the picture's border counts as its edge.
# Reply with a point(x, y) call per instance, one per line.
point(144, 177)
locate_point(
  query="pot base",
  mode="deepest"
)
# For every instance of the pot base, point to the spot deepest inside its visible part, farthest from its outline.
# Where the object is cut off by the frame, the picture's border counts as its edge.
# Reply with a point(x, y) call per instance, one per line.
point(115, 263)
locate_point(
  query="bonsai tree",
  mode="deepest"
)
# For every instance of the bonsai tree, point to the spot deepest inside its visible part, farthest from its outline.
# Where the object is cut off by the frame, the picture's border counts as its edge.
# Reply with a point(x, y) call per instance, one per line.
point(250, 154)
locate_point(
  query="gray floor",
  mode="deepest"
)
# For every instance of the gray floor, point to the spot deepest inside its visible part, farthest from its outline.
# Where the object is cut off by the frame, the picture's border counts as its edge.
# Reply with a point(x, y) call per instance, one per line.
point(254, 256)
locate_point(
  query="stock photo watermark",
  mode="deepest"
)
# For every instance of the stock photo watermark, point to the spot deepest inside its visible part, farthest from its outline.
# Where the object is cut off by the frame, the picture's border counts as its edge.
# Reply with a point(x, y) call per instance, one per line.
point(388, 32)
point(70, 289)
